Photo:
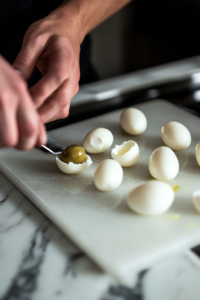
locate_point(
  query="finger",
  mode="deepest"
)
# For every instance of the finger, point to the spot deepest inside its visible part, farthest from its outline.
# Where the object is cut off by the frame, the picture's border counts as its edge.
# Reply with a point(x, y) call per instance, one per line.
point(63, 113)
point(26, 59)
point(8, 125)
point(57, 73)
point(28, 124)
point(57, 107)
point(42, 138)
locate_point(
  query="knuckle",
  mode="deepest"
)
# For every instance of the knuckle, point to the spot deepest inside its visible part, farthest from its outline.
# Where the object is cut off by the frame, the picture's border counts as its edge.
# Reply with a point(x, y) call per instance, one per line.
point(64, 112)
point(33, 40)
point(59, 40)
point(37, 41)
point(30, 36)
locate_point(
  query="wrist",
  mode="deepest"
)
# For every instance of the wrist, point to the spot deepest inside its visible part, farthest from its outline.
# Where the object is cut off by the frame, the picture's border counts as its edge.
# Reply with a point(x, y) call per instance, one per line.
point(70, 15)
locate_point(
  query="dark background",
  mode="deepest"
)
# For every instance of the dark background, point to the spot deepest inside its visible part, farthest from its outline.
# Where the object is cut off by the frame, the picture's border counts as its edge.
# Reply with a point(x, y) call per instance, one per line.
point(146, 33)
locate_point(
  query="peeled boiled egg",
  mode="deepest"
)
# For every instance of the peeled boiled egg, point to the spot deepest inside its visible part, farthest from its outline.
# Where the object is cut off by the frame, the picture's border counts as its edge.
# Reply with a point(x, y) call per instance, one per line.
point(73, 160)
point(98, 140)
point(163, 164)
point(151, 198)
point(126, 154)
point(108, 175)
point(133, 121)
point(176, 136)
point(197, 153)
point(196, 200)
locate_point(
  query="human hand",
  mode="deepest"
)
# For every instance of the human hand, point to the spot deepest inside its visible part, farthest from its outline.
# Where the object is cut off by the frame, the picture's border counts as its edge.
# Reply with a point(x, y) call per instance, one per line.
point(20, 125)
point(54, 48)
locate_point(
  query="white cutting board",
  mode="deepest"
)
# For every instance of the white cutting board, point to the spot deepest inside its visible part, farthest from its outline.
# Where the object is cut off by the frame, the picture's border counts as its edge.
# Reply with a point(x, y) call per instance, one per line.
point(101, 223)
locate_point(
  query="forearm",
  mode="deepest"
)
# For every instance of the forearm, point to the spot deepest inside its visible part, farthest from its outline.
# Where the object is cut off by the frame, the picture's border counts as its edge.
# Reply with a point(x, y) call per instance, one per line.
point(84, 15)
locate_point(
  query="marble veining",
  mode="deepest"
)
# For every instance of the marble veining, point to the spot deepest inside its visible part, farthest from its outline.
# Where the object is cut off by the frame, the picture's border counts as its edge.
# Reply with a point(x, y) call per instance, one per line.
point(25, 280)
point(37, 262)
point(126, 293)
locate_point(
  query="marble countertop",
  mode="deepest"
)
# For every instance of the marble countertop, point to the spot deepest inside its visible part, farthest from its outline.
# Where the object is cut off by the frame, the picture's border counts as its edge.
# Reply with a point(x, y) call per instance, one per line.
point(37, 262)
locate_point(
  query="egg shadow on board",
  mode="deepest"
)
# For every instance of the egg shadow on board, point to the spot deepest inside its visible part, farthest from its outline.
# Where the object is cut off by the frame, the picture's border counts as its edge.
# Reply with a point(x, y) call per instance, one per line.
point(74, 183)
point(123, 208)
point(188, 162)
point(183, 207)
point(113, 126)
point(153, 142)
point(124, 137)
point(195, 139)
point(104, 200)
point(121, 136)
point(140, 140)
point(99, 157)
point(137, 173)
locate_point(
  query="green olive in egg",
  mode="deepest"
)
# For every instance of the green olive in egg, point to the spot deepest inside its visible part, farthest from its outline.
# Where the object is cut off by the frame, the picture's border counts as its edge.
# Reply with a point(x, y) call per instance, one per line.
point(74, 154)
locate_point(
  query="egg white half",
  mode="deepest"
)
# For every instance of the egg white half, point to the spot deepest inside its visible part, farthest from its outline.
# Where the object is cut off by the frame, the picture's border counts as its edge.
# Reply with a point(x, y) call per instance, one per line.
point(126, 154)
point(72, 168)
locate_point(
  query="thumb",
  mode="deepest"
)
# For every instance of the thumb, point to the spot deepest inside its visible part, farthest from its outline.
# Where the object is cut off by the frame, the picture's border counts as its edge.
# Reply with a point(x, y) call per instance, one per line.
point(26, 59)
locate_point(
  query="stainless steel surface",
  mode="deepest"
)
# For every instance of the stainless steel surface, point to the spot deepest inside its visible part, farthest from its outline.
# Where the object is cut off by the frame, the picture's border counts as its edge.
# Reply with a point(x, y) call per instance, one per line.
point(177, 82)
point(140, 80)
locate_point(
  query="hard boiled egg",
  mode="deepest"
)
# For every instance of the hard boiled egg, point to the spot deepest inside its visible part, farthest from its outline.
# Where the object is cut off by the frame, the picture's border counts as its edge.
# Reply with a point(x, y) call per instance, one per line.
point(176, 136)
point(108, 175)
point(72, 168)
point(126, 154)
point(197, 153)
point(163, 164)
point(98, 140)
point(196, 200)
point(151, 198)
point(133, 121)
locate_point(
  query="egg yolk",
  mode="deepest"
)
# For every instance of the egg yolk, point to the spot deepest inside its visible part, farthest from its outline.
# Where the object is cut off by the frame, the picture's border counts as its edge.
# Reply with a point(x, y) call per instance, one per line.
point(74, 154)
point(175, 188)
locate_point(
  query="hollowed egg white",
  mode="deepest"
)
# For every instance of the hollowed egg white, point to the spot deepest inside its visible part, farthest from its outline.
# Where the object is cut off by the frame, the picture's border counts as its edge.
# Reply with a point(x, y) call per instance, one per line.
point(126, 154)
point(72, 168)
point(98, 140)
